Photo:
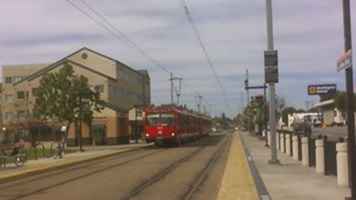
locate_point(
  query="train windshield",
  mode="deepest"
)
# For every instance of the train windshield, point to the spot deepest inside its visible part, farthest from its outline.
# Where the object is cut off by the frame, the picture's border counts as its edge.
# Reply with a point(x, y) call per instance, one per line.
point(162, 119)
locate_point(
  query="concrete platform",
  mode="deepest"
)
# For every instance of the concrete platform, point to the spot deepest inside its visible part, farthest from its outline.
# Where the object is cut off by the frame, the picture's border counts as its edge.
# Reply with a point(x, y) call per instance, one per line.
point(290, 180)
point(42, 165)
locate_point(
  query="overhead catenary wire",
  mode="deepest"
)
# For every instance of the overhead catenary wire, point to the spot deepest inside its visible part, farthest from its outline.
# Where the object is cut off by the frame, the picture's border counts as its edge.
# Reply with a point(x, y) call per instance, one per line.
point(116, 33)
point(205, 52)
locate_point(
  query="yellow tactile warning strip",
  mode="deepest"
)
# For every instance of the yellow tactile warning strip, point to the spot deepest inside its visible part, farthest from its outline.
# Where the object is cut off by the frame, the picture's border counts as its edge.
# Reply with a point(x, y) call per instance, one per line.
point(237, 183)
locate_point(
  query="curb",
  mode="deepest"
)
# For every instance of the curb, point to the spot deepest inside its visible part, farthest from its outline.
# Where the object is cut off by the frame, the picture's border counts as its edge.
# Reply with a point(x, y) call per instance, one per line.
point(61, 166)
point(260, 185)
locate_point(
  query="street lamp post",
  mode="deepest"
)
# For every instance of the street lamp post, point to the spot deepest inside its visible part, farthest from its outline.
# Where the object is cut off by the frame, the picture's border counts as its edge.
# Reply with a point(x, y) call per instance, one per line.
point(80, 123)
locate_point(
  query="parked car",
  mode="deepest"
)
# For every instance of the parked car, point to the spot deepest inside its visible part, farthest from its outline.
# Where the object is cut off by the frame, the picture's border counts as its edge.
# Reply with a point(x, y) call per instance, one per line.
point(303, 127)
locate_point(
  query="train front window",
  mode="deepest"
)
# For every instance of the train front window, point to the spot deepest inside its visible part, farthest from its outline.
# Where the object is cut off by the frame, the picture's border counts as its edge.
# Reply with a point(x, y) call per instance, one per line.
point(153, 119)
point(163, 119)
point(167, 119)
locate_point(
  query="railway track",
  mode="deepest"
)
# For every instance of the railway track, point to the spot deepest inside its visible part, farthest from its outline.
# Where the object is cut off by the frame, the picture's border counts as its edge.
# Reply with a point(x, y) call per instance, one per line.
point(197, 181)
point(204, 173)
point(124, 160)
point(202, 155)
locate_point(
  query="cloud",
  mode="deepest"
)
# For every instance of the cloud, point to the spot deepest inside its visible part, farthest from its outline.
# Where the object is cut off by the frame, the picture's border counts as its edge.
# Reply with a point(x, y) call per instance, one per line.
point(308, 35)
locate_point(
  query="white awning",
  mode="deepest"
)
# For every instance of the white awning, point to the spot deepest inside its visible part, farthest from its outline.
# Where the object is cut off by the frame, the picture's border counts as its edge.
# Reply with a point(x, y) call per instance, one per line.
point(323, 103)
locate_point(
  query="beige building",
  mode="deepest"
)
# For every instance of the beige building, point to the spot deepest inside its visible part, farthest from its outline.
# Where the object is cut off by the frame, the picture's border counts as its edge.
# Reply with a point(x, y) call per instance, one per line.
point(120, 88)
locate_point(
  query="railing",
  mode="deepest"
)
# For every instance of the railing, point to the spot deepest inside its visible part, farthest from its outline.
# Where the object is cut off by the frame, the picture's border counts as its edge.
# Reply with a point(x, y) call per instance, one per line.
point(326, 153)
point(330, 158)
point(312, 149)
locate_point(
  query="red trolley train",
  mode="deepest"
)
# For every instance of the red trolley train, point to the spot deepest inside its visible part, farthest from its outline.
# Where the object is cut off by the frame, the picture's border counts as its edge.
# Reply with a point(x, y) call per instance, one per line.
point(174, 124)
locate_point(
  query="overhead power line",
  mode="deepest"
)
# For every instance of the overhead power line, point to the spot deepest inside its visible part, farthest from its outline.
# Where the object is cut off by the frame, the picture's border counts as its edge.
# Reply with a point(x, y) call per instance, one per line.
point(205, 52)
point(108, 26)
point(101, 20)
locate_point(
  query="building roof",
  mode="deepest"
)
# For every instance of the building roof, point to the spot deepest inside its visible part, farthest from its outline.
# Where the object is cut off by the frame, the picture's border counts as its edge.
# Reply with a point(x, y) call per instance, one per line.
point(324, 103)
point(48, 68)
point(54, 65)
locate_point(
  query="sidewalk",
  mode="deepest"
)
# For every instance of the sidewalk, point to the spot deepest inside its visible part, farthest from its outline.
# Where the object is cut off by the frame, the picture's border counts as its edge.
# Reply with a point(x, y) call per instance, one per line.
point(38, 166)
point(291, 180)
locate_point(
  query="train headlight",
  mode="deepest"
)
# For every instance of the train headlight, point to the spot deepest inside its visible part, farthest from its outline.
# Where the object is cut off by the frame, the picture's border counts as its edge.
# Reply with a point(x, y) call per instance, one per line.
point(173, 134)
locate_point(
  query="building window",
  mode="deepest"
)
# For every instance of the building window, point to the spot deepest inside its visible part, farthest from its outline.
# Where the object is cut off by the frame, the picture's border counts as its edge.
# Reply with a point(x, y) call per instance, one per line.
point(8, 79)
point(20, 94)
point(9, 98)
point(84, 56)
point(99, 88)
point(21, 114)
point(34, 91)
point(8, 116)
point(16, 79)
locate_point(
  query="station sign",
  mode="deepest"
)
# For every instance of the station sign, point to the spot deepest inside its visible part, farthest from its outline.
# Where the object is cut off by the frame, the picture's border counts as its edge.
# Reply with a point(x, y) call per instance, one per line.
point(345, 61)
point(322, 89)
point(271, 66)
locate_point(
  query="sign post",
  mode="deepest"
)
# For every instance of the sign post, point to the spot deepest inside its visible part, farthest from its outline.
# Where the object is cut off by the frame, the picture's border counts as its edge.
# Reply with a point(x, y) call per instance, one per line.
point(345, 62)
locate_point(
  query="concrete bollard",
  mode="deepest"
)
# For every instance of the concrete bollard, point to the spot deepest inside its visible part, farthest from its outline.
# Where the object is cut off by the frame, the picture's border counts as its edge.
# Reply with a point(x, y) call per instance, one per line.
point(319, 156)
point(305, 151)
point(288, 150)
point(277, 140)
point(269, 138)
point(342, 164)
point(282, 143)
point(295, 147)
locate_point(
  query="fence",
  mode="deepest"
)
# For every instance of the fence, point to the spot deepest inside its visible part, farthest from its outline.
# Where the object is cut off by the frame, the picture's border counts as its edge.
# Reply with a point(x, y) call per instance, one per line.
point(330, 158)
point(312, 148)
point(328, 155)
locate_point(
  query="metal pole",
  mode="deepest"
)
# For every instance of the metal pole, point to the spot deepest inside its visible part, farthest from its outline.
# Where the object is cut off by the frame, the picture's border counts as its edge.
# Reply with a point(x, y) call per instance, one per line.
point(265, 114)
point(80, 123)
point(179, 90)
point(136, 125)
point(172, 86)
point(349, 101)
point(272, 92)
point(248, 100)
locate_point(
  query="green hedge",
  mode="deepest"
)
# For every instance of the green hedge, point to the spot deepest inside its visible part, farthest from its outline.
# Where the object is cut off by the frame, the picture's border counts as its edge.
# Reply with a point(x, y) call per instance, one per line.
point(39, 152)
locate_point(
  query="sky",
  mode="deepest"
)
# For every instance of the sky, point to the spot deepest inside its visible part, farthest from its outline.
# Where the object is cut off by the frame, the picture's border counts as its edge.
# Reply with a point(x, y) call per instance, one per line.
point(307, 34)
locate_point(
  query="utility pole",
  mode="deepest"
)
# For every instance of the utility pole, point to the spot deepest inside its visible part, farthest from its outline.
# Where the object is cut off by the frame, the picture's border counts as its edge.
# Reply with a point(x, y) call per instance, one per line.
point(200, 99)
point(179, 91)
point(248, 100)
point(246, 88)
point(349, 101)
point(272, 92)
point(172, 86)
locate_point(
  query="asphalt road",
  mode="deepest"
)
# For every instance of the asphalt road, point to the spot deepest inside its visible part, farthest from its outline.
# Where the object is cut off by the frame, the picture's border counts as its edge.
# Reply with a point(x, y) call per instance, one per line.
point(193, 171)
point(333, 133)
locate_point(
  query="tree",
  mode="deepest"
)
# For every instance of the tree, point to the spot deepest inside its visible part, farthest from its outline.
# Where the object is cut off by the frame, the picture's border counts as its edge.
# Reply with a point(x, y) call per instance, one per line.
point(286, 111)
point(60, 98)
point(88, 103)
